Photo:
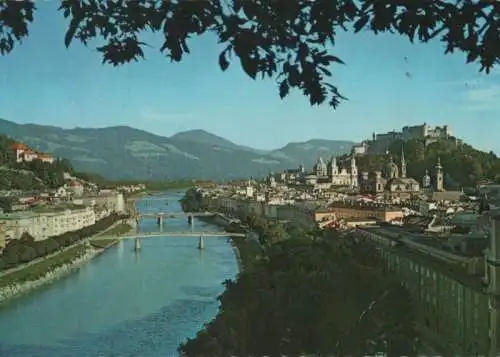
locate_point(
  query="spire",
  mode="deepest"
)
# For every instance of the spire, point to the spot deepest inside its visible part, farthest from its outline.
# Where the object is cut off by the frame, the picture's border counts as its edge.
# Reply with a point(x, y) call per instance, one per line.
point(403, 162)
point(333, 161)
point(438, 163)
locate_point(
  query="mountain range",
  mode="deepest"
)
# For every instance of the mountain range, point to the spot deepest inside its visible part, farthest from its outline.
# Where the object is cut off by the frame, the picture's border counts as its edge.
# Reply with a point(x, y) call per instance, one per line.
point(122, 152)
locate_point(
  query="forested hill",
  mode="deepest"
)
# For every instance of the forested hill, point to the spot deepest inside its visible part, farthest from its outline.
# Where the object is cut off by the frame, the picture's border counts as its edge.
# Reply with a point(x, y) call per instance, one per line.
point(32, 175)
point(463, 165)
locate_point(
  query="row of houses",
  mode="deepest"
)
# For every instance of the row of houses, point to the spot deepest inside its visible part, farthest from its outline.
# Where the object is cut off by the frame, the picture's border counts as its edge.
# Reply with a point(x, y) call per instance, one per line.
point(42, 225)
point(304, 210)
point(46, 221)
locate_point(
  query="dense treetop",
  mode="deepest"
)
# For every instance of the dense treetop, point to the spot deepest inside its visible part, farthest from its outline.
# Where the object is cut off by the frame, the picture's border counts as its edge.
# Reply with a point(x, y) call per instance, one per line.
point(288, 41)
point(306, 292)
point(325, 297)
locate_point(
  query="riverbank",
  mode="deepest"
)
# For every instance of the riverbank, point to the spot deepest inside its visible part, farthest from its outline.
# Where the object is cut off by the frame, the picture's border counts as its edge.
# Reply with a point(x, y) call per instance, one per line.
point(46, 271)
point(104, 244)
point(245, 249)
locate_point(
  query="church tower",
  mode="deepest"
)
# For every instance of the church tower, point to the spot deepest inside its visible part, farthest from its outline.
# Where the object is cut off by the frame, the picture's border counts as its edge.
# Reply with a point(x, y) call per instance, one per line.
point(249, 189)
point(439, 175)
point(354, 172)
point(403, 163)
point(426, 180)
point(333, 170)
point(301, 168)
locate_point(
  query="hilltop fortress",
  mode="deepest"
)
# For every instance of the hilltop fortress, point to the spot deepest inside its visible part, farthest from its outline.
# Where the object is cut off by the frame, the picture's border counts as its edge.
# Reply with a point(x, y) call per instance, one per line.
point(380, 143)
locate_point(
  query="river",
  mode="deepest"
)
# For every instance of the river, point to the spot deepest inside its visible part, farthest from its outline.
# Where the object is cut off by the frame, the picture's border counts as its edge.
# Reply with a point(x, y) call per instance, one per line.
point(122, 303)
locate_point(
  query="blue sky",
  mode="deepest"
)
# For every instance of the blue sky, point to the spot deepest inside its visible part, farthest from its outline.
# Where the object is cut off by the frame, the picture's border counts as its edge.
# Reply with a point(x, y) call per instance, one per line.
point(45, 83)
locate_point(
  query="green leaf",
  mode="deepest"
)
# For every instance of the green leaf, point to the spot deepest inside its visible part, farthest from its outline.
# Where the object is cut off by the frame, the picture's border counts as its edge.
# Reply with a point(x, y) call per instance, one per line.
point(331, 58)
point(361, 23)
point(223, 62)
point(73, 26)
point(249, 66)
point(284, 89)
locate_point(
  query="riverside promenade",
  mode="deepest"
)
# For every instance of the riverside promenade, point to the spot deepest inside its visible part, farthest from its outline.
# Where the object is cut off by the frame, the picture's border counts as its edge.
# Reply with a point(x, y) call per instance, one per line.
point(41, 259)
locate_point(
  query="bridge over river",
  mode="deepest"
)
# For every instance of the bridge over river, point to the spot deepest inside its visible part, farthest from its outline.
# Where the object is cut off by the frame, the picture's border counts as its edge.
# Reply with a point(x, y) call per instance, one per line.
point(200, 235)
point(161, 217)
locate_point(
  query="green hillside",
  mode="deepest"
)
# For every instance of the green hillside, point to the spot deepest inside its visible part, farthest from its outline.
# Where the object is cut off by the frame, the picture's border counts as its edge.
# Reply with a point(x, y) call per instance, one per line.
point(32, 175)
point(462, 164)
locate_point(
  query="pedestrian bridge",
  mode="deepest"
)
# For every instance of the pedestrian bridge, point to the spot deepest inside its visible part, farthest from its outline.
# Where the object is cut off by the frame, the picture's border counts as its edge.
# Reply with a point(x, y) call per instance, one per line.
point(175, 214)
point(173, 234)
point(201, 236)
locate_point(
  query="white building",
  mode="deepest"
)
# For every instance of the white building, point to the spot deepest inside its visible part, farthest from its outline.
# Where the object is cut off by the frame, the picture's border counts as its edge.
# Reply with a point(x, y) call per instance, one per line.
point(24, 153)
point(44, 225)
point(77, 188)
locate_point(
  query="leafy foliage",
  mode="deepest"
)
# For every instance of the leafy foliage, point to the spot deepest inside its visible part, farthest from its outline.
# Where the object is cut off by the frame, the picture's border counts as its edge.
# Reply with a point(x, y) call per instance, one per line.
point(41, 268)
point(50, 174)
point(462, 164)
point(302, 300)
point(6, 204)
point(288, 41)
point(7, 155)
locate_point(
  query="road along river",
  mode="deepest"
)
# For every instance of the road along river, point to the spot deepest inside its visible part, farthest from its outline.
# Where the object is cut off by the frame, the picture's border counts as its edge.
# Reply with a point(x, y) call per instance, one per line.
point(124, 303)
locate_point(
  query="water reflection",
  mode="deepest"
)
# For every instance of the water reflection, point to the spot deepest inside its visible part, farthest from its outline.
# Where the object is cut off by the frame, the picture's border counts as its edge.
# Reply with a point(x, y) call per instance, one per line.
point(120, 249)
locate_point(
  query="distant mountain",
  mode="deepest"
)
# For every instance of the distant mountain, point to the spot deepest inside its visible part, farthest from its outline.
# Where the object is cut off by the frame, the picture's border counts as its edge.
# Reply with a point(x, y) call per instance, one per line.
point(312, 150)
point(123, 152)
point(203, 137)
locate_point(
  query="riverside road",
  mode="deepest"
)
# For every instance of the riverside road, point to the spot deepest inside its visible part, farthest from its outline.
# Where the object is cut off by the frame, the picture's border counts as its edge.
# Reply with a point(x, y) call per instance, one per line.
point(124, 303)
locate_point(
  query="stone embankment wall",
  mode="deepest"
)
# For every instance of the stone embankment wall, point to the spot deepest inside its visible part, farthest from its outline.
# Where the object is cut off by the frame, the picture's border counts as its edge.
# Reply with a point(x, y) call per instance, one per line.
point(14, 290)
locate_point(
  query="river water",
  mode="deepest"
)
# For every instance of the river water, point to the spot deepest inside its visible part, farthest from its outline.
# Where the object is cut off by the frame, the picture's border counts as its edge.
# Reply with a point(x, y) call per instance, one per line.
point(125, 304)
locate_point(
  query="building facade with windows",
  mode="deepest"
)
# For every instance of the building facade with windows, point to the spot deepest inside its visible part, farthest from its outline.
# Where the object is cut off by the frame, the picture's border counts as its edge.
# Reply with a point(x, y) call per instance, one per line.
point(44, 225)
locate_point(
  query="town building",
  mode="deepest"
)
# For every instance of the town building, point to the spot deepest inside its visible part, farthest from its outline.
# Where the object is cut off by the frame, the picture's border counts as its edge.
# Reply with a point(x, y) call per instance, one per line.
point(25, 154)
point(453, 282)
point(394, 182)
point(323, 176)
point(77, 188)
point(380, 143)
point(358, 211)
point(44, 225)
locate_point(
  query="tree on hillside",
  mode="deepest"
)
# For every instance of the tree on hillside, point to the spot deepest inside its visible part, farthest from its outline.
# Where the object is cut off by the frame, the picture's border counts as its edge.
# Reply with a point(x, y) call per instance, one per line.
point(288, 41)
point(462, 164)
point(6, 204)
point(7, 155)
point(311, 298)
